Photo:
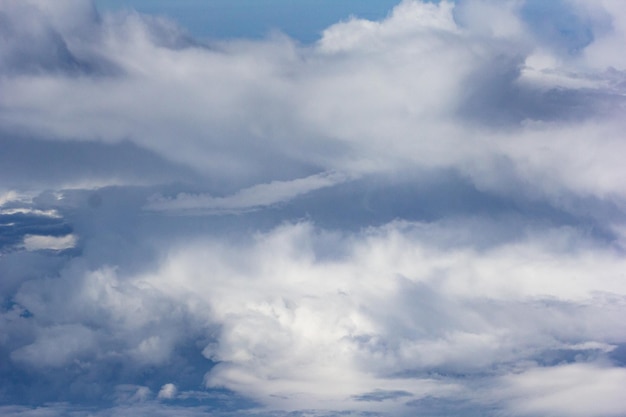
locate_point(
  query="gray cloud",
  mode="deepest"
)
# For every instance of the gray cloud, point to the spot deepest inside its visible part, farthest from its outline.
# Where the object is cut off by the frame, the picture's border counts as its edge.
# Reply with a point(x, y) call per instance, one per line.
point(46, 162)
point(380, 395)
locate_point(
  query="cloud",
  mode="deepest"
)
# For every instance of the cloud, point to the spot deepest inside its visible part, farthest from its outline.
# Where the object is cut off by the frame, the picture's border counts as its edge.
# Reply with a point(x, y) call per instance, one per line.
point(8, 197)
point(367, 96)
point(56, 346)
point(38, 242)
point(387, 309)
point(390, 312)
point(380, 395)
point(609, 25)
point(406, 20)
point(33, 229)
point(167, 392)
point(568, 390)
point(417, 215)
point(255, 197)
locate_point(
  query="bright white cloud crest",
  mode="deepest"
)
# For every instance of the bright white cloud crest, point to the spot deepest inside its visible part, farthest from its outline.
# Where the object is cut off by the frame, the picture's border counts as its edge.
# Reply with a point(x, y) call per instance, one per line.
point(292, 321)
point(418, 215)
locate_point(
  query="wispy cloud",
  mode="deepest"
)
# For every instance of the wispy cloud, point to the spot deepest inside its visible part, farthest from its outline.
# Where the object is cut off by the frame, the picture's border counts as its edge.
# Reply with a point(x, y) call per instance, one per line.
point(255, 197)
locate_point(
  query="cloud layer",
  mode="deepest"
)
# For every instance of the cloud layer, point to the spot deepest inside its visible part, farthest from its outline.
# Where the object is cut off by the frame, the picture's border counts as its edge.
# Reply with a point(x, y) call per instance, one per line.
point(418, 215)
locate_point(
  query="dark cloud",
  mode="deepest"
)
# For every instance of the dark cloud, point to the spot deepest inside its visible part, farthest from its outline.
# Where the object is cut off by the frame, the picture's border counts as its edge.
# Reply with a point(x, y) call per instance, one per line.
point(26, 162)
point(381, 395)
point(495, 97)
point(15, 226)
point(558, 24)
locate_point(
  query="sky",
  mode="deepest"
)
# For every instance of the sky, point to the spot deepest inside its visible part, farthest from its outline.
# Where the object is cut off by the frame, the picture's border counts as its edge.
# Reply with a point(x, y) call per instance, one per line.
point(303, 20)
point(273, 209)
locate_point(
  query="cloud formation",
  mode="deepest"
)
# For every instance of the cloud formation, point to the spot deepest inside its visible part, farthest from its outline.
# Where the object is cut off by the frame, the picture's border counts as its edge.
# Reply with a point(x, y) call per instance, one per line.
point(258, 196)
point(418, 215)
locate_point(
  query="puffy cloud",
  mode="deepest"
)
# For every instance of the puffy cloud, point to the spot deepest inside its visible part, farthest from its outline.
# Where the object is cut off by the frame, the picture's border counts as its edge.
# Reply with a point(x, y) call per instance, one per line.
point(390, 313)
point(38, 242)
point(167, 392)
point(368, 95)
point(387, 310)
point(406, 20)
point(56, 346)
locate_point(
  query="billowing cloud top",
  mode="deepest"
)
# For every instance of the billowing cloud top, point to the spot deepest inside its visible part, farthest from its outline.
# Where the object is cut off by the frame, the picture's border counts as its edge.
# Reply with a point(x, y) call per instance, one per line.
point(422, 215)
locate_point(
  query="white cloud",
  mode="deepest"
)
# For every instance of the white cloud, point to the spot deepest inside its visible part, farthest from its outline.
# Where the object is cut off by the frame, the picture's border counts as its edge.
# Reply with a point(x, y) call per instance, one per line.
point(29, 211)
point(568, 390)
point(41, 242)
point(8, 197)
point(291, 322)
point(243, 112)
point(57, 346)
point(609, 19)
point(167, 392)
point(255, 197)
point(407, 20)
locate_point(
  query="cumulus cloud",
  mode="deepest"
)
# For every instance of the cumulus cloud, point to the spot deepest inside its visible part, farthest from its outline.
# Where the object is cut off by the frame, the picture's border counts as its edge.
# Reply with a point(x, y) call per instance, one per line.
point(388, 315)
point(168, 391)
point(392, 306)
point(367, 96)
point(417, 215)
point(56, 346)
